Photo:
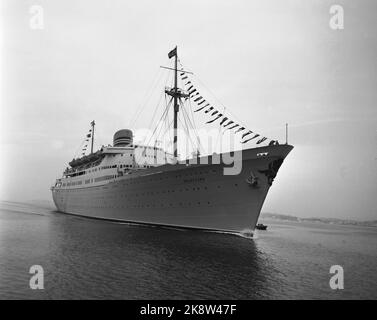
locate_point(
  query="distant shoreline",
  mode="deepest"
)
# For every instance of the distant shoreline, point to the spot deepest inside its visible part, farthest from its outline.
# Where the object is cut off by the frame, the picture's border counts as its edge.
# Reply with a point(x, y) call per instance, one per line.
point(350, 222)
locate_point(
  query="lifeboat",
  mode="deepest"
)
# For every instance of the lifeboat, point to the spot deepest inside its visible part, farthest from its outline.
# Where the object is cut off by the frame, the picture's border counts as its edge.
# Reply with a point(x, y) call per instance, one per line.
point(86, 159)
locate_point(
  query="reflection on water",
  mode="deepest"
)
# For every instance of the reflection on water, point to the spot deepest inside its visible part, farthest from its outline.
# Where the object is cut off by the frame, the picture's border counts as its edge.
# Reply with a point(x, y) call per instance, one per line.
point(84, 258)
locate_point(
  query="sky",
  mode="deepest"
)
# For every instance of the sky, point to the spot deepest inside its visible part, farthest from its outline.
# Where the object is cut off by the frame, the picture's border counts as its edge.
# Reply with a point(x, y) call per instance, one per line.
point(270, 62)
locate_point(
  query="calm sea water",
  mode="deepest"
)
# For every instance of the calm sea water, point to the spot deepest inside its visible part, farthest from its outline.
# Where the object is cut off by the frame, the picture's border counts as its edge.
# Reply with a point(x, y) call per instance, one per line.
point(89, 259)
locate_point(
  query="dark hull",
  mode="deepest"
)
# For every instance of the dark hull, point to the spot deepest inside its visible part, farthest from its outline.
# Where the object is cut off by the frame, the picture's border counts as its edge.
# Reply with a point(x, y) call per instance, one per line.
point(194, 196)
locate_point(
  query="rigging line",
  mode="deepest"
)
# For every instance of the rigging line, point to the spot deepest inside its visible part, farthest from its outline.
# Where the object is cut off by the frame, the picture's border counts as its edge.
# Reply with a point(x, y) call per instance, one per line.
point(166, 143)
point(80, 147)
point(157, 135)
point(169, 143)
point(183, 125)
point(219, 101)
point(157, 106)
point(222, 104)
point(219, 136)
point(158, 103)
point(242, 124)
point(168, 126)
point(195, 146)
point(181, 67)
point(148, 95)
point(154, 114)
point(162, 125)
point(163, 115)
point(98, 138)
point(224, 109)
point(167, 120)
point(213, 95)
point(198, 144)
point(163, 121)
point(194, 125)
point(187, 127)
point(159, 125)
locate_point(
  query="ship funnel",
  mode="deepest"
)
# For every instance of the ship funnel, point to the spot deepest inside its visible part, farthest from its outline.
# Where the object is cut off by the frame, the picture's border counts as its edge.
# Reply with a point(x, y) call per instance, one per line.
point(122, 138)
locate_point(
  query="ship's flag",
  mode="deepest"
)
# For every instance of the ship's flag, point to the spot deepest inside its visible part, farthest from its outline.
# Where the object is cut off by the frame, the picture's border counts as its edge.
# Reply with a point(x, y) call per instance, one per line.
point(230, 122)
point(202, 107)
point(246, 134)
point(223, 120)
point(172, 53)
point(257, 135)
point(240, 129)
point(261, 140)
point(199, 109)
point(194, 95)
point(235, 126)
point(218, 116)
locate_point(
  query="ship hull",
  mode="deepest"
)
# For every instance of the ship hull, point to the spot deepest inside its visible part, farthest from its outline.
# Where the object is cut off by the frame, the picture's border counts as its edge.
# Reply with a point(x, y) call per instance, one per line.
point(190, 196)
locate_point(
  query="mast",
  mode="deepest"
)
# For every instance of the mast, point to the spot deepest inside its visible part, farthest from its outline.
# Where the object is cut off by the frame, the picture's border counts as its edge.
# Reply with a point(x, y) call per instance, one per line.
point(176, 107)
point(176, 94)
point(286, 133)
point(92, 124)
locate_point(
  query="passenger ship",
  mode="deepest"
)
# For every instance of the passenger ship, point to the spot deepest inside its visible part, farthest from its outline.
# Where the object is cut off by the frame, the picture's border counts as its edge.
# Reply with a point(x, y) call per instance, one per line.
point(136, 183)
